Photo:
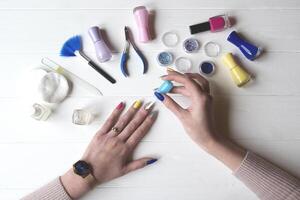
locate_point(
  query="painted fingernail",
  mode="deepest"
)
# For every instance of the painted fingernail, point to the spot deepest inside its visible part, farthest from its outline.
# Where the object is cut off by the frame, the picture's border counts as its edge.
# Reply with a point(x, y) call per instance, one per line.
point(159, 96)
point(137, 104)
point(170, 69)
point(149, 105)
point(149, 162)
point(120, 106)
point(154, 114)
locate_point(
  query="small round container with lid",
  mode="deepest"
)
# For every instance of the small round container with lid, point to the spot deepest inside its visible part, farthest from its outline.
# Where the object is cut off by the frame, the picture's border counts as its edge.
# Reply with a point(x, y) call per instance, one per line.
point(191, 45)
point(165, 58)
point(207, 68)
point(170, 39)
point(212, 49)
point(183, 64)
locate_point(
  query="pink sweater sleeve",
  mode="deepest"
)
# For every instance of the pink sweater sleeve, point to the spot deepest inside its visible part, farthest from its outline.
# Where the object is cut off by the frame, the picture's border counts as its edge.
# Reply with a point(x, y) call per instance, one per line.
point(266, 180)
point(52, 191)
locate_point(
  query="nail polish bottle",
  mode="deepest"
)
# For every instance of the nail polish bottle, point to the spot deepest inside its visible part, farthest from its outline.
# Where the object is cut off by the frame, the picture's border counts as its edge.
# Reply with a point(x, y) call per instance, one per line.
point(238, 74)
point(103, 53)
point(214, 24)
point(165, 87)
point(81, 117)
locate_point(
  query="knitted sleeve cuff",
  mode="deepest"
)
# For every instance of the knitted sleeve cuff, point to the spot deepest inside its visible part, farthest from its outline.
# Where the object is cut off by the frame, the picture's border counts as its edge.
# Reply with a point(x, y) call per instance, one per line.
point(51, 191)
point(266, 180)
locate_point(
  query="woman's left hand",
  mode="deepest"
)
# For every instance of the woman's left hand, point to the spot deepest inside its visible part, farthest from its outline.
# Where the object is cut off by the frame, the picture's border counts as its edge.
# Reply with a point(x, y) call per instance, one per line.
point(110, 151)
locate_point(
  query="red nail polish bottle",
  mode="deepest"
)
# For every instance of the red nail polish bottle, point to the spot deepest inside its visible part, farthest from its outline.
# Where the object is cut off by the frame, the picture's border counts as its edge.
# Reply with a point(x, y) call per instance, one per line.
point(217, 23)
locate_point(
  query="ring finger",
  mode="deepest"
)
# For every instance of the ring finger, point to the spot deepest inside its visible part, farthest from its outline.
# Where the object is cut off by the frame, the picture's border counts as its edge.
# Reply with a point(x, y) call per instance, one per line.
point(126, 118)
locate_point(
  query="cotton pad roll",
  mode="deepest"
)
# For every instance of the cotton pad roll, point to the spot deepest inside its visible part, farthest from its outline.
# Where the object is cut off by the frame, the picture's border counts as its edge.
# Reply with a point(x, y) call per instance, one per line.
point(53, 87)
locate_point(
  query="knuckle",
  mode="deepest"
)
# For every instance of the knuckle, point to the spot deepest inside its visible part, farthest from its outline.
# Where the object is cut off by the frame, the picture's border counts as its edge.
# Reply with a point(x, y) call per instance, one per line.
point(129, 147)
point(112, 142)
point(99, 137)
point(124, 150)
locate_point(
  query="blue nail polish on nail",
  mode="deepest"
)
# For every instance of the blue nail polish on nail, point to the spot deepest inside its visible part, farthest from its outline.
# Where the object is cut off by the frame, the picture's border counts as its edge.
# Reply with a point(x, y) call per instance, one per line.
point(159, 96)
point(149, 162)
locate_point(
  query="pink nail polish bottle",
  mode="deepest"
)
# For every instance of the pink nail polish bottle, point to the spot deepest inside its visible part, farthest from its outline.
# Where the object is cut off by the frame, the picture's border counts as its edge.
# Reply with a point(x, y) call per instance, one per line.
point(214, 24)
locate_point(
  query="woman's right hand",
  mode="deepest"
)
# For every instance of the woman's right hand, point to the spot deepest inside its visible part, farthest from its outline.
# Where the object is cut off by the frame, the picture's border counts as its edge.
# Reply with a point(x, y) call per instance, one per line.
point(198, 119)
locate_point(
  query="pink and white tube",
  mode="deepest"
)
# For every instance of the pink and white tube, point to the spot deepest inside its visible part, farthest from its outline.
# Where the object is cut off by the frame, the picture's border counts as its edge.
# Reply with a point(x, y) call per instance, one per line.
point(141, 16)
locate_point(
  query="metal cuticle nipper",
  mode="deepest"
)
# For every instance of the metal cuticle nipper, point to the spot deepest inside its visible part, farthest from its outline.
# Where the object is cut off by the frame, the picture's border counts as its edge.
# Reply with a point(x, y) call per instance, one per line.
point(125, 54)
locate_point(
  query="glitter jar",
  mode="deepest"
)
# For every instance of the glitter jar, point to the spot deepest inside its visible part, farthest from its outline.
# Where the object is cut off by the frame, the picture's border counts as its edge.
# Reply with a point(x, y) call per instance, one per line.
point(191, 45)
point(183, 64)
point(165, 58)
point(207, 68)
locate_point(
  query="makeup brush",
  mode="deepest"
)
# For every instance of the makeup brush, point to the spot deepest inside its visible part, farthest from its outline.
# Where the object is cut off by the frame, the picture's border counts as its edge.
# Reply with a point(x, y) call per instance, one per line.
point(73, 47)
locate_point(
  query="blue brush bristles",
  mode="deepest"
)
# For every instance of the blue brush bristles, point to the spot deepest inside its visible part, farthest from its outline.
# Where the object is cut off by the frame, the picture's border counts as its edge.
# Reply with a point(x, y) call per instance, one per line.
point(70, 46)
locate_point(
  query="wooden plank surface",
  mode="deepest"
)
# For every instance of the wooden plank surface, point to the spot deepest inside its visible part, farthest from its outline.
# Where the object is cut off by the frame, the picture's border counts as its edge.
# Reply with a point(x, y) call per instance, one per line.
point(262, 116)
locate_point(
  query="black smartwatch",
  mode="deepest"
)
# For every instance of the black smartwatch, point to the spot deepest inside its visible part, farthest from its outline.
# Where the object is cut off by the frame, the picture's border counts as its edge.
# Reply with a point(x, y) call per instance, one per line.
point(82, 168)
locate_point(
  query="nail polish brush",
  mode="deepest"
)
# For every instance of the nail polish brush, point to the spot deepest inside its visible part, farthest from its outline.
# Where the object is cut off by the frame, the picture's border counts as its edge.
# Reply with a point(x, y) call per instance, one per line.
point(73, 47)
point(53, 66)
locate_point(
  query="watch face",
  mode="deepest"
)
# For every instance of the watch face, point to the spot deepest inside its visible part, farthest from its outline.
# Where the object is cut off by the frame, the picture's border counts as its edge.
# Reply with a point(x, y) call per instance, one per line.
point(82, 168)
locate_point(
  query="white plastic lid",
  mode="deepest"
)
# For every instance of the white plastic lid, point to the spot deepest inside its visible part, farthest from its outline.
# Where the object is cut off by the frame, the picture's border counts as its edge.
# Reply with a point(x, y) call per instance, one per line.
point(212, 49)
point(170, 39)
point(183, 64)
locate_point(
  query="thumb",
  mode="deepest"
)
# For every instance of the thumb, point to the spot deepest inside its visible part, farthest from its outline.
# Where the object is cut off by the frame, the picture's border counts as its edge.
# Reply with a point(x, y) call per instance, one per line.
point(170, 104)
point(138, 164)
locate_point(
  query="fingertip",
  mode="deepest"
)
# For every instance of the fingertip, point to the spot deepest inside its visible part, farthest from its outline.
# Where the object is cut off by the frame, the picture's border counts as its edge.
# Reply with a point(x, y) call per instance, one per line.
point(120, 106)
point(159, 96)
point(151, 161)
point(153, 115)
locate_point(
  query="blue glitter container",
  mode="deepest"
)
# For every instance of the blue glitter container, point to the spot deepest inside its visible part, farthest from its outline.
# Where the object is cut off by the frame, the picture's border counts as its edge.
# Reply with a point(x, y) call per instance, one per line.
point(207, 68)
point(191, 45)
point(165, 58)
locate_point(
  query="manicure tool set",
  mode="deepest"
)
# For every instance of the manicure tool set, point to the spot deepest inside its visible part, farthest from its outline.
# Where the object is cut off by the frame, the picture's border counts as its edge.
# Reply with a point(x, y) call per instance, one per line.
point(57, 77)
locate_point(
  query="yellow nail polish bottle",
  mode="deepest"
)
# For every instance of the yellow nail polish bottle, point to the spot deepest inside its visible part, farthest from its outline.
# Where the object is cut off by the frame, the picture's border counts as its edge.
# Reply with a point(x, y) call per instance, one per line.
point(238, 74)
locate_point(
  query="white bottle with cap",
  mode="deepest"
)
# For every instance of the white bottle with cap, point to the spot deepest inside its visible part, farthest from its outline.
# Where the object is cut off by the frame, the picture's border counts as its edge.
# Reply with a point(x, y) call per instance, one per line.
point(40, 112)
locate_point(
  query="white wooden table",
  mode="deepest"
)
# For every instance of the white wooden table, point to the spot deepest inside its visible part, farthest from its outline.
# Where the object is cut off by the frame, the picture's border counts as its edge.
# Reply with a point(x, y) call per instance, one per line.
point(263, 117)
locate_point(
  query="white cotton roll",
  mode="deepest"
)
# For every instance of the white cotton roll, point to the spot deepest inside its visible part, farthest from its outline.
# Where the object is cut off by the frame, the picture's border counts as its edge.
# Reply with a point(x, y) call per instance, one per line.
point(53, 88)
